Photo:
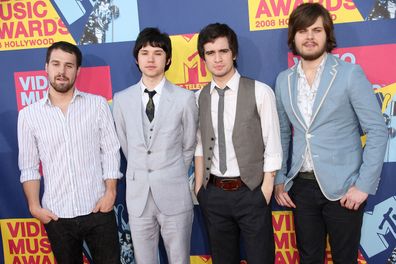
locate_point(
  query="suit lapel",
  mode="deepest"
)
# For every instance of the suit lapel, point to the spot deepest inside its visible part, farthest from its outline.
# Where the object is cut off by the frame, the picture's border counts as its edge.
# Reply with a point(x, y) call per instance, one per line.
point(292, 82)
point(163, 109)
point(328, 75)
point(136, 101)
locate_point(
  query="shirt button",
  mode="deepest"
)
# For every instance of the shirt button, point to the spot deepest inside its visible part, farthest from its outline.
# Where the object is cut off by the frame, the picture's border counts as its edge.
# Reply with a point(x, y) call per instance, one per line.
point(207, 168)
point(212, 139)
point(151, 129)
point(209, 158)
point(210, 148)
point(149, 152)
point(150, 170)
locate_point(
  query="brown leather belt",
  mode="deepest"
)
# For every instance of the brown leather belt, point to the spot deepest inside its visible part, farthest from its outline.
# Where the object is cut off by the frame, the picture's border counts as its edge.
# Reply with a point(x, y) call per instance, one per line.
point(226, 183)
point(309, 175)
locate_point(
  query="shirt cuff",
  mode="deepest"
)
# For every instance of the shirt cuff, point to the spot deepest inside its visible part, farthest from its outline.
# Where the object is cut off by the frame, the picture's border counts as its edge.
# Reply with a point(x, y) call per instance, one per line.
point(112, 176)
point(272, 163)
point(198, 151)
point(29, 175)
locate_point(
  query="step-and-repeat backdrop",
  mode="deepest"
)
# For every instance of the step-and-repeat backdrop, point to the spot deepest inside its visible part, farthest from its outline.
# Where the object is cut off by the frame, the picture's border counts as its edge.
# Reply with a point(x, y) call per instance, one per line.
point(106, 30)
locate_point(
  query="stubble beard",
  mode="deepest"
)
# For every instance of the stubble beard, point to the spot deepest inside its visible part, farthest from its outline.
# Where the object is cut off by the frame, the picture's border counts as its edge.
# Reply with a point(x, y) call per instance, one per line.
point(313, 56)
point(61, 88)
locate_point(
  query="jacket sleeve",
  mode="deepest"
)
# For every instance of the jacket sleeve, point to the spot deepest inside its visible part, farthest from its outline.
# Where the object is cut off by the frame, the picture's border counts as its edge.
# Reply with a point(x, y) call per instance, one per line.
point(368, 111)
point(190, 123)
point(285, 131)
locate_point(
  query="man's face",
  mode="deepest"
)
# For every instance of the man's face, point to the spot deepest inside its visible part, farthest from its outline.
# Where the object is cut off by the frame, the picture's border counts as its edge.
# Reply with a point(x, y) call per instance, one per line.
point(62, 70)
point(152, 61)
point(219, 59)
point(310, 42)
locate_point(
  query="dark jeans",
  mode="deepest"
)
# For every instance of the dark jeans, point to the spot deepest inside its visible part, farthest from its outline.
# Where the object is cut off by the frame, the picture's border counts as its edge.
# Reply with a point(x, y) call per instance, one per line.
point(315, 217)
point(229, 214)
point(99, 230)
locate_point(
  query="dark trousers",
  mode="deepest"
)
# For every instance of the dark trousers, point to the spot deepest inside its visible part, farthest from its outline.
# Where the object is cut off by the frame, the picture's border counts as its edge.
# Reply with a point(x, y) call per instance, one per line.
point(98, 230)
point(229, 214)
point(315, 217)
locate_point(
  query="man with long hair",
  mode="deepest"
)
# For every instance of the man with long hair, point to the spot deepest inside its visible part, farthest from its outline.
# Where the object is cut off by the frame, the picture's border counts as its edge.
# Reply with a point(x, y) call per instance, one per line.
point(322, 103)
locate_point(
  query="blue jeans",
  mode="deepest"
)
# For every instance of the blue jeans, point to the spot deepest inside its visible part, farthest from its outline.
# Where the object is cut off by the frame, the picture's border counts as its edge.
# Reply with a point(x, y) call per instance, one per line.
point(98, 230)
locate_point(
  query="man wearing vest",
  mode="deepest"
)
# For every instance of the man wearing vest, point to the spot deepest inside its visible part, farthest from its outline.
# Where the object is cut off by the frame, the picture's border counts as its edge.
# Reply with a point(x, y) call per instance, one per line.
point(237, 155)
point(156, 122)
point(327, 102)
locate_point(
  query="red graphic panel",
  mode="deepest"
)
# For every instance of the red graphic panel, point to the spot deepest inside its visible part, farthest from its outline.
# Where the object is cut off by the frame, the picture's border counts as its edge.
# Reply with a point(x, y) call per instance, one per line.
point(378, 62)
point(32, 86)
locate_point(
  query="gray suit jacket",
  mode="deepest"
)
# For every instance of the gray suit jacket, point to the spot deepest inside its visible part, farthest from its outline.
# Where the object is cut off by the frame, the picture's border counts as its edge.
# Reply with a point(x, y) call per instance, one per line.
point(344, 103)
point(163, 165)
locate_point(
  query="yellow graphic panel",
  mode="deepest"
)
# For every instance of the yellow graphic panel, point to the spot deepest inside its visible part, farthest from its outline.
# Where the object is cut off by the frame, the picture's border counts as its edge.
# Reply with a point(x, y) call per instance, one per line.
point(30, 24)
point(200, 260)
point(388, 92)
point(25, 241)
point(274, 14)
point(187, 69)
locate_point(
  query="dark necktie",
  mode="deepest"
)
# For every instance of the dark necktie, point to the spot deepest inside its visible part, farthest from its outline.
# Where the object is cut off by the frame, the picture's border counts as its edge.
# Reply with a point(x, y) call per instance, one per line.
point(150, 108)
point(220, 130)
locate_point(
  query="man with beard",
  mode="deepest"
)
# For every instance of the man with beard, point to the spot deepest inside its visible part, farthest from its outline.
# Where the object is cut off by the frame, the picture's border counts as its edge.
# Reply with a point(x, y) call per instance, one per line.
point(325, 101)
point(72, 134)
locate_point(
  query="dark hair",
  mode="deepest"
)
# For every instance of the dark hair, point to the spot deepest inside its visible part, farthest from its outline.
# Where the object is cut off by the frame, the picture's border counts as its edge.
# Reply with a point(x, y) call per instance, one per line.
point(213, 31)
point(154, 38)
point(306, 15)
point(67, 47)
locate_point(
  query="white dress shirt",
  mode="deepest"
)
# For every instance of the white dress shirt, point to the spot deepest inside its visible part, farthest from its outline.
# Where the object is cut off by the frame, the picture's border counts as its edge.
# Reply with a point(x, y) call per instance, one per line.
point(305, 99)
point(266, 107)
point(156, 97)
point(78, 151)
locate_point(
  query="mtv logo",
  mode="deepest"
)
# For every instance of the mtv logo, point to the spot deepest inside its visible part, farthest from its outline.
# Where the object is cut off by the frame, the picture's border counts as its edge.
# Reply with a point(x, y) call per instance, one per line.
point(187, 70)
point(379, 228)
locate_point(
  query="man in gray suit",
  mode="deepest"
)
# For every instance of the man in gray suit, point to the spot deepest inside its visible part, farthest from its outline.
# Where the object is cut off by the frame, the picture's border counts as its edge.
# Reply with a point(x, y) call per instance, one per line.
point(326, 101)
point(156, 123)
point(237, 154)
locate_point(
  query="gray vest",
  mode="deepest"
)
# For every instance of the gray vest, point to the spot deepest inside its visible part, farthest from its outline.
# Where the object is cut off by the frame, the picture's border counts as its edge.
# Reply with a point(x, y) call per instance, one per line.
point(246, 136)
point(147, 126)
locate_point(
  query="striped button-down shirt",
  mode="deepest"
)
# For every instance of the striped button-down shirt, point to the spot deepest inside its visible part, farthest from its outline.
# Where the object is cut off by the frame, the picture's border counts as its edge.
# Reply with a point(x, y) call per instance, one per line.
point(78, 151)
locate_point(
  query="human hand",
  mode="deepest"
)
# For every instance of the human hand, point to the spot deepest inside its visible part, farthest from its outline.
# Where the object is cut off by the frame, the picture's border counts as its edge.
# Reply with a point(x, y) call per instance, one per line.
point(353, 198)
point(282, 197)
point(106, 203)
point(43, 215)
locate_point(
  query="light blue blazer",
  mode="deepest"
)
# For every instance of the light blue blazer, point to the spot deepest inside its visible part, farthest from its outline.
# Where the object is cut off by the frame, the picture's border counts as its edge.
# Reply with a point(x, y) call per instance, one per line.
point(344, 104)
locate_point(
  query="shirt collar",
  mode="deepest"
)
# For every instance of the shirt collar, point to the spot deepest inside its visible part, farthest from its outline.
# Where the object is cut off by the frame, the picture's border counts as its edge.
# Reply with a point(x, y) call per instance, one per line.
point(300, 71)
point(157, 88)
point(47, 100)
point(232, 83)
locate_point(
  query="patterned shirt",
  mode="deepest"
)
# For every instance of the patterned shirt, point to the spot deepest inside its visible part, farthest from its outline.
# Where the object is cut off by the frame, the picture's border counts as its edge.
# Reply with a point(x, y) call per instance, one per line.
point(78, 151)
point(305, 100)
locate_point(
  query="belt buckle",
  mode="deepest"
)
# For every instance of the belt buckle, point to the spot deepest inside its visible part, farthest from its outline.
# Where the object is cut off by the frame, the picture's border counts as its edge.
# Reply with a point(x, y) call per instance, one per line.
point(225, 182)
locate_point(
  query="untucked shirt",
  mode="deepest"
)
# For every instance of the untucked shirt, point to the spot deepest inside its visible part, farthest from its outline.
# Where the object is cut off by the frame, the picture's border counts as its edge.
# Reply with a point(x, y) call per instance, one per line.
point(78, 151)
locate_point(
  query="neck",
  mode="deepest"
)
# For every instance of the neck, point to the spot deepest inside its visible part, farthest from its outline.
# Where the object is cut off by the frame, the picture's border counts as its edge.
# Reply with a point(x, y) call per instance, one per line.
point(310, 65)
point(152, 82)
point(60, 99)
point(221, 81)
